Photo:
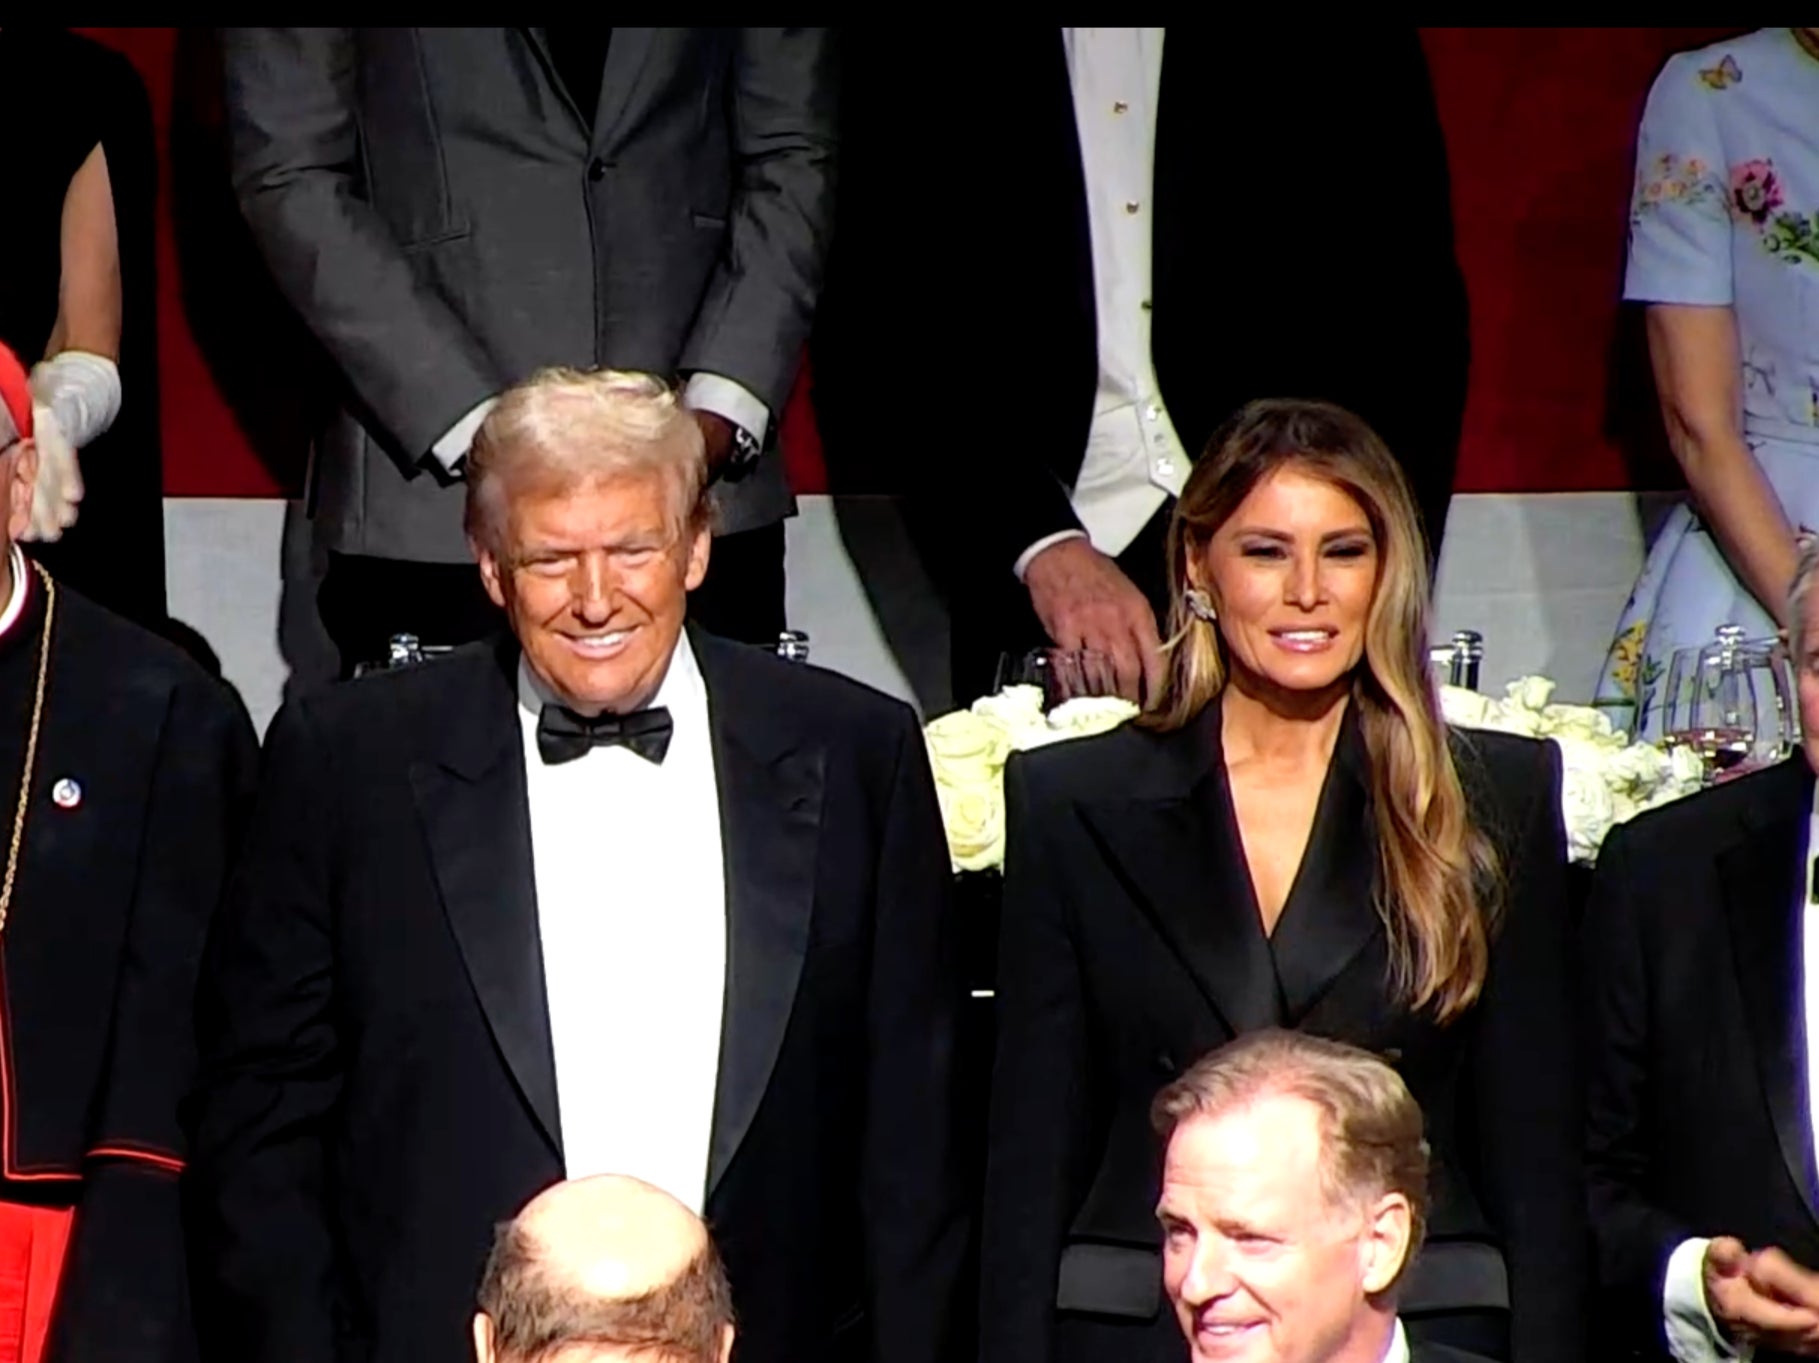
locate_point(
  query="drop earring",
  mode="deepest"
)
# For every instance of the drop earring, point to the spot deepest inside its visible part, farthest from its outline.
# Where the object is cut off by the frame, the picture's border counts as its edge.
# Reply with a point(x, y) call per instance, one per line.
point(1199, 604)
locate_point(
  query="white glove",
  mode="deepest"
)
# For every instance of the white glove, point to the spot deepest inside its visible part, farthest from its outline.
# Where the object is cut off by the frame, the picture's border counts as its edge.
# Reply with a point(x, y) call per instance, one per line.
point(83, 389)
point(59, 485)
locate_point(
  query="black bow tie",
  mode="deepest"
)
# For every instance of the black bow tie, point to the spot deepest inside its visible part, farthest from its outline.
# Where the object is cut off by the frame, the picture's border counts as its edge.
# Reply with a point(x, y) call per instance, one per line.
point(563, 735)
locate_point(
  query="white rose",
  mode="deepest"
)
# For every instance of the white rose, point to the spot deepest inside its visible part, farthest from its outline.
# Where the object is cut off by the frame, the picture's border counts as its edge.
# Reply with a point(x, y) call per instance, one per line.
point(973, 817)
point(1688, 771)
point(1506, 717)
point(1016, 708)
point(1086, 715)
point(1529, 693)
point(1583, 722)
point(1463, 708)
point(1587, 807)
point(965, 750)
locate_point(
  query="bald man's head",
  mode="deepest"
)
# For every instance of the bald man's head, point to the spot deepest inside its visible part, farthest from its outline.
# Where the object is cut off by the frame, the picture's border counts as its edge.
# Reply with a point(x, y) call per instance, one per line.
point(600, 1270)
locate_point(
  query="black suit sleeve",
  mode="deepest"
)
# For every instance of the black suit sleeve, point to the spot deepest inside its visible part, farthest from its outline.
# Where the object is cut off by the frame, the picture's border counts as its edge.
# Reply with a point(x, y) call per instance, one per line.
point(262, 1256)
point(1525, 1087)
point(1634, 1237)
point(123, 1296)
point(294, 141)
point(912, 1195)
point(1039, 1098)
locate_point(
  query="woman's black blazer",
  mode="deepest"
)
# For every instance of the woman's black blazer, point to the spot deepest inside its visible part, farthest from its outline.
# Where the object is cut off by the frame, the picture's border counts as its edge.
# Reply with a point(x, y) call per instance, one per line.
point(1132, 945)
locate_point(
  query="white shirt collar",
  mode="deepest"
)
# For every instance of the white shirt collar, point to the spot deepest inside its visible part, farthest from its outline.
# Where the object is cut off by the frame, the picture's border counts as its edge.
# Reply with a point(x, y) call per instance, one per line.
point(1398, 1350)
point(681, 681)
point(15, 603)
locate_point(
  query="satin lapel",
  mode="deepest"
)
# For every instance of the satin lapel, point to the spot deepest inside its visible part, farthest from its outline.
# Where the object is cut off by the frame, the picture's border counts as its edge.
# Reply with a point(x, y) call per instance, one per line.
point(627, 60)
point(1763, 898)
point(475, 814)
point(1329, 916)
point(771, 785)
point(1180, 854)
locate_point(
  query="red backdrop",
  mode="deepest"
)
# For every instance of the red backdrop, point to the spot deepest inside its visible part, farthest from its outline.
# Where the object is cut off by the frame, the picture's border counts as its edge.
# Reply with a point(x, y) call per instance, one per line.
point(1539, 123)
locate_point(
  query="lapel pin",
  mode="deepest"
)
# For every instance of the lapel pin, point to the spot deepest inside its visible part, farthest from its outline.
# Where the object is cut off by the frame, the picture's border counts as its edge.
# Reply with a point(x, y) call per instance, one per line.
point(67, 793)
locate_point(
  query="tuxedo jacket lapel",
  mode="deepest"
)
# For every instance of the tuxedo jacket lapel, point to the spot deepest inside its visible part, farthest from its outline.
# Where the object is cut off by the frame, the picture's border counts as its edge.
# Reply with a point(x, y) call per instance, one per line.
point(771, 785)
point(1177, 847)
point(1330, 915)
point(1763, 896)
point(627, 57)
point(475, 813)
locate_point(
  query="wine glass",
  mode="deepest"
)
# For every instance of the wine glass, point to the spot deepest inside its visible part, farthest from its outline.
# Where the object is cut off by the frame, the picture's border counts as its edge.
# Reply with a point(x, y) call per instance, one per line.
point(1728, 702)
point(1061, 673)
point(1770, 681)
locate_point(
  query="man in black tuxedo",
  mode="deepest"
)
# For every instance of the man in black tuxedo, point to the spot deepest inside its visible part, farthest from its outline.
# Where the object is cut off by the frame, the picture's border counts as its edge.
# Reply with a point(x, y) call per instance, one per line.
point(1139, 231)
point(1701, 942)
point(1294, 1196)
point(601, 897)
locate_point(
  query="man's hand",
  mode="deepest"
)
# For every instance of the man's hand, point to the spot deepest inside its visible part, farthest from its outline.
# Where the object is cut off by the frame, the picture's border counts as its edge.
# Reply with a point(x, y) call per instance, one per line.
point(1763, 1299)
point(718, 432)
point(1085, 601)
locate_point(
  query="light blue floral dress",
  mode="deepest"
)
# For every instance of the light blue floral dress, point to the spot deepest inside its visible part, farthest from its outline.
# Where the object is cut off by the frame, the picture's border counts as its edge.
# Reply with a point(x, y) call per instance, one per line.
point(1726, 211)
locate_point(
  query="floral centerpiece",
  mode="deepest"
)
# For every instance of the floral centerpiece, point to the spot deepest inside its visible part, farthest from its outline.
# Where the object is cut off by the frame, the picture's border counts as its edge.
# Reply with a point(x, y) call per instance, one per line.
point(968, 750)
point(1607, 777)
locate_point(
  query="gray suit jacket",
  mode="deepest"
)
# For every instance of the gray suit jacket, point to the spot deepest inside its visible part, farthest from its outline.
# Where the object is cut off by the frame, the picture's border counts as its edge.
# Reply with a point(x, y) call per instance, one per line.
point(436, 208)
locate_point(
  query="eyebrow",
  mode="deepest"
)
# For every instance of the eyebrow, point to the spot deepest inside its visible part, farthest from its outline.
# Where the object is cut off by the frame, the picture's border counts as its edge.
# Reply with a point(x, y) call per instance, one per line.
point(1284, 537)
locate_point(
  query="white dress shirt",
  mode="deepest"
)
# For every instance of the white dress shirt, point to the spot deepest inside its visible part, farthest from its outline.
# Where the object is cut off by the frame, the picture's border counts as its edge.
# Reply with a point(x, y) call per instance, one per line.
point(1134, 460)
point(15, 600)
point(1398, 1350)
point(1692, 1334)
point(631, 909)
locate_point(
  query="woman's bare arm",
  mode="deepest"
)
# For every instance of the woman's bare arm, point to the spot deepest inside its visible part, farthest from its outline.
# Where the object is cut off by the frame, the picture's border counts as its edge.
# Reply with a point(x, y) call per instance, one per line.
point(1698, 375)
point(88, 296)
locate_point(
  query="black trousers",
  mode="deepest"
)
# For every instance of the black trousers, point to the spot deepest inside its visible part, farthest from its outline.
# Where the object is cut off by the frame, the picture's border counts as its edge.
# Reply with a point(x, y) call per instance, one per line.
point(365, 601)
point(991, 615)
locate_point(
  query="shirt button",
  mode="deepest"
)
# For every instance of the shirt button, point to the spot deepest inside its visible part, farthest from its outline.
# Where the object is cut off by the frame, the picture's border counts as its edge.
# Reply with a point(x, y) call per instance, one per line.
point(596, 169)
point(1166, 467)
point(1146, 305)
point(1120, 107)
point(1151, 412)
point(1131, 206)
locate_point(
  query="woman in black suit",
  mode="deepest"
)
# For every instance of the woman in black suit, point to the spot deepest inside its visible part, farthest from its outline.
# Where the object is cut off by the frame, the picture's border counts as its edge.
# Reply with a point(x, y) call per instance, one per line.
point(1289, 837)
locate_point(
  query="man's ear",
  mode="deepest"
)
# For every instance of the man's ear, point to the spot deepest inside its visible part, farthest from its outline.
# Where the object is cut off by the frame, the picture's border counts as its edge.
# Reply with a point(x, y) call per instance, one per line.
point(19, 468)
point(1389, 1228)
point(492, 572)
point(700, 545)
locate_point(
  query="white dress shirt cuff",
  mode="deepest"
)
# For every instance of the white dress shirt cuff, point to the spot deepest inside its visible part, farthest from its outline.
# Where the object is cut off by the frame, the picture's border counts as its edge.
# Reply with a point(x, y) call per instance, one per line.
point(1692, 1334)
point(453, 447)
point(1028, 555)
point(727, 398)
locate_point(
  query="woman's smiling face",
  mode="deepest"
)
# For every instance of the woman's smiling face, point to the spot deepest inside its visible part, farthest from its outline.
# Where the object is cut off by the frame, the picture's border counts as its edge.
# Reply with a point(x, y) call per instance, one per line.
point(1292, 574)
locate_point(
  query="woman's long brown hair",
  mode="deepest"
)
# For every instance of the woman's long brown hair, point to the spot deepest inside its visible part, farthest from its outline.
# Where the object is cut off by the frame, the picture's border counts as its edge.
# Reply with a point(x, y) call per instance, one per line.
point(1438, 879)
